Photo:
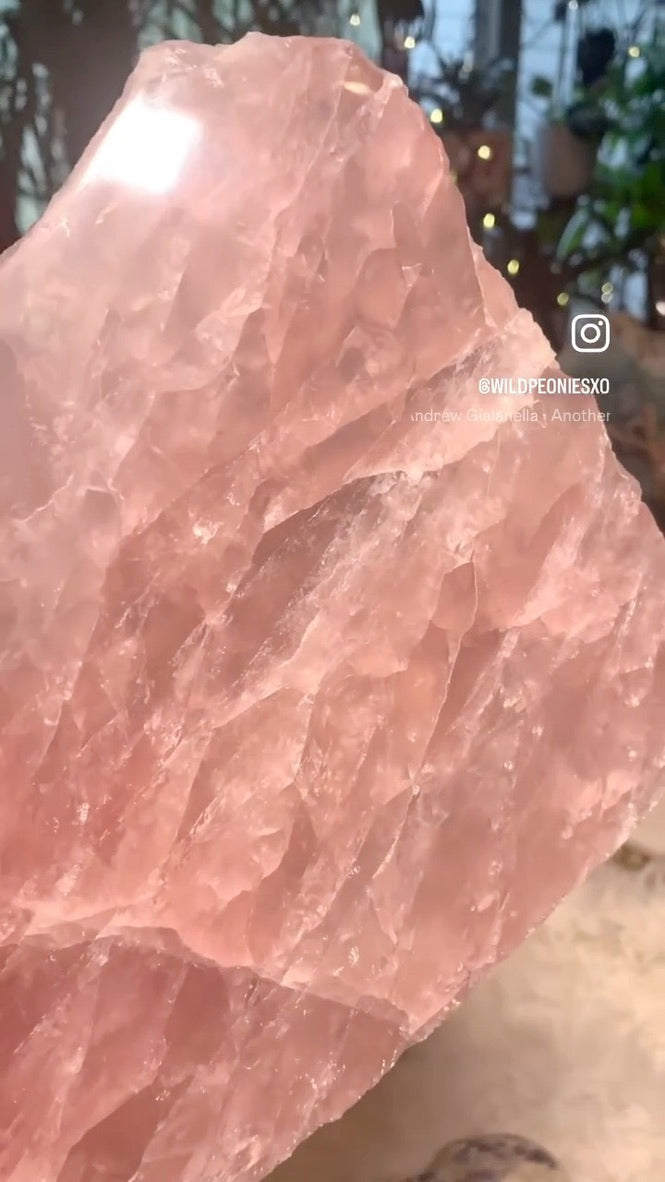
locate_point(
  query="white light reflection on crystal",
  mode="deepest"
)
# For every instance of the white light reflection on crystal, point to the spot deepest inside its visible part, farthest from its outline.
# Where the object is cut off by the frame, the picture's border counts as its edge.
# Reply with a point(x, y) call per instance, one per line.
point(146, 148)
point(358, 87)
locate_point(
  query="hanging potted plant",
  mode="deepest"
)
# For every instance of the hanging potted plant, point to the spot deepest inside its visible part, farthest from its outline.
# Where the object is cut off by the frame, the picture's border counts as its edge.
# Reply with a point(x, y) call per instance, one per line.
point(564, 151)
point(617, 231)
point(561, 162)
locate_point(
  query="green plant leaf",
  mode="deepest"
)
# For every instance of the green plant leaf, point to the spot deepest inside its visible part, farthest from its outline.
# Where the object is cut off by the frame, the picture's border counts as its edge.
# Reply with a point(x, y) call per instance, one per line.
point(542, 87)
point(642, 218)
point(575, 233)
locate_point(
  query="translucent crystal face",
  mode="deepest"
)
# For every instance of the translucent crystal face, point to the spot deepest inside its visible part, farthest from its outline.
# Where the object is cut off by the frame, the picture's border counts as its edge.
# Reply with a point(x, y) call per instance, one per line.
point(147, 148)
point(312, 703)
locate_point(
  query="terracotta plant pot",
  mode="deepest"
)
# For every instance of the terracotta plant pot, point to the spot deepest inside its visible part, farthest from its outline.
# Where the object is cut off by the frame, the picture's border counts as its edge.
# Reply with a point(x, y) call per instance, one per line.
point(561, 162)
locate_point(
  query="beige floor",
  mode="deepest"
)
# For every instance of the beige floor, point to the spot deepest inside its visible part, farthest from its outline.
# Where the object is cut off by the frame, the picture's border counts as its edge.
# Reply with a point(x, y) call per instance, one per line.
point(564, 1044)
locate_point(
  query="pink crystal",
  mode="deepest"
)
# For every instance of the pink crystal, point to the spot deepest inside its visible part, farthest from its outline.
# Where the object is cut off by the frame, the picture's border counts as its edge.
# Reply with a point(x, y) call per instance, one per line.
point(311, 707)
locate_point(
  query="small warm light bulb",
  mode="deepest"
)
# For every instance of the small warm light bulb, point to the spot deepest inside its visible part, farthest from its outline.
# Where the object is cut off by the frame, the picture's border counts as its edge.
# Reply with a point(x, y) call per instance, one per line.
point(513, 267)
point(436, 115)
point(606, 297)
point(607, 288)
point(354, 19)
point(634, 51)
point(489, 221)
point(485, 152)
point(573, 5)
point(409, 43)
point(562, 299)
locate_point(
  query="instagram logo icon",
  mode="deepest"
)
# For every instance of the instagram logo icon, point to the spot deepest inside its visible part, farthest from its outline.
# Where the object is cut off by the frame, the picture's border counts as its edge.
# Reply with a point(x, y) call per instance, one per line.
point(590, 333)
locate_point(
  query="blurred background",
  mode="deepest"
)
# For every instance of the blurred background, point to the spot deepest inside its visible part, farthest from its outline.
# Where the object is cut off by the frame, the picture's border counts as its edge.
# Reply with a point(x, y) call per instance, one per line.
point(552, 113)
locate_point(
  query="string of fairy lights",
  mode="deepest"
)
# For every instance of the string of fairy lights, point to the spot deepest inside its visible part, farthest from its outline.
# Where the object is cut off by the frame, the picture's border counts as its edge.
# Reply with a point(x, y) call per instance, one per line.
point(485, 153)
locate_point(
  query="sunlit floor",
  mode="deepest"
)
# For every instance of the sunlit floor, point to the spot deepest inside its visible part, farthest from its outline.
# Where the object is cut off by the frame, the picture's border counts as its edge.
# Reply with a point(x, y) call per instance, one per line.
point(565, 1044)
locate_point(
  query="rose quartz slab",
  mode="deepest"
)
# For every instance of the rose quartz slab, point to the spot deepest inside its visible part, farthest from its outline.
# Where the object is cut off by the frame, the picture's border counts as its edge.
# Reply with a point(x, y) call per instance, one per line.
point(312, 703)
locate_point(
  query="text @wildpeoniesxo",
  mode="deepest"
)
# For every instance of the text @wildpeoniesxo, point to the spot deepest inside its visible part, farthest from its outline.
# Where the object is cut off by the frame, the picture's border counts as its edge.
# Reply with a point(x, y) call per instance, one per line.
point(538, 387)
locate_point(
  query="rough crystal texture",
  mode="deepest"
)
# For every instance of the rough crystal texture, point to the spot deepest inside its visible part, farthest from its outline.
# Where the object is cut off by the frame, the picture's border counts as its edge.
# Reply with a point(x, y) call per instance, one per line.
point(311, 706)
